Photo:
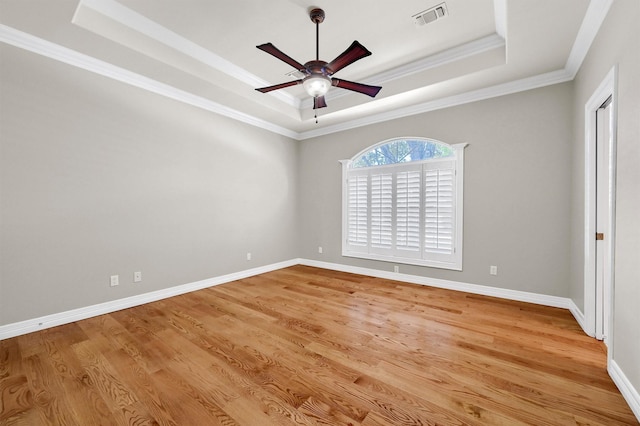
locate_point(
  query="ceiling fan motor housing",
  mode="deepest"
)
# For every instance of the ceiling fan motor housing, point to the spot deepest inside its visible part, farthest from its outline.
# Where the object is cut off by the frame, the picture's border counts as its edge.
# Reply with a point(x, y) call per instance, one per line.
point(317, 67)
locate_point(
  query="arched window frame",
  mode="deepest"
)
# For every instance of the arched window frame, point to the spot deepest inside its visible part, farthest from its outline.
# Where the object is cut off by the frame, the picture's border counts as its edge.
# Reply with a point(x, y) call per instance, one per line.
point(376, 232)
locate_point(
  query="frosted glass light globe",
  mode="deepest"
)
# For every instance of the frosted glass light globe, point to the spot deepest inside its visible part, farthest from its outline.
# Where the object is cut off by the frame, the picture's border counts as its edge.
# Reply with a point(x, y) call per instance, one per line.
point(317, 85)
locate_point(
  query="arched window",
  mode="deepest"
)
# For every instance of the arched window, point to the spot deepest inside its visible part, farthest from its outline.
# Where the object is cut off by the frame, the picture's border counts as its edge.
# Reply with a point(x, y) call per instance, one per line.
point(402, 202)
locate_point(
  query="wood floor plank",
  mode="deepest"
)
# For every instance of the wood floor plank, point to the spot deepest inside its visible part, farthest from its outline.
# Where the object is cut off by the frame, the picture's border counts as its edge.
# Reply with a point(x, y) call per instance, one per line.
point(101, 374)
point(139, 379)
point(48, 392)
point(185, 404)
point(15, 396)
point(309, 346)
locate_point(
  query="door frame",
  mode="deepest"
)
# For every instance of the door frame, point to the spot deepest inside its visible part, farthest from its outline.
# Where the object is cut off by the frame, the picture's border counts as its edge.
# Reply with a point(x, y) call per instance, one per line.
point(606, 89)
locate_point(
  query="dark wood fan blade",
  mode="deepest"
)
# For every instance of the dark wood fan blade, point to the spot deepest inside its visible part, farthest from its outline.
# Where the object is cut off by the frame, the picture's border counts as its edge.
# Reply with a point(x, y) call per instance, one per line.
point(353, 53)
point(272, 50)
point(278, 86)
point(356, 87)
point(319, 102)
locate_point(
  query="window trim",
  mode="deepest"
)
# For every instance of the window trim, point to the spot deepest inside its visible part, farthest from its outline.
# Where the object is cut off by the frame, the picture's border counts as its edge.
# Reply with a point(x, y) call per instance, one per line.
point(456, 262)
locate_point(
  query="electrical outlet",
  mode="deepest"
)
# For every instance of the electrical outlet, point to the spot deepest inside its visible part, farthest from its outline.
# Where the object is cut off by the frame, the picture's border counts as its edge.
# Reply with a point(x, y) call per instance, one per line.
point(396, 268)
point(114, 280)
point(493, 270)
point(248, 256)
point(320, 249)
point(137, 277)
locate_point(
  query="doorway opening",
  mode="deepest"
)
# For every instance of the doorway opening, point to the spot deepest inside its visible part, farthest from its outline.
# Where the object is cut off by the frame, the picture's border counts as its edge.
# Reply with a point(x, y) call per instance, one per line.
point(599, 236)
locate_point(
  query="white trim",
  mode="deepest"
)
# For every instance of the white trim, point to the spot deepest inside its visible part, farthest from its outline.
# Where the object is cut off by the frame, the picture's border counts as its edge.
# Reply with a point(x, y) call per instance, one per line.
point(627, 390)
point(459, 179)
point(608, 87)
point(344, 164)
point(53, 320)
point(454, 54)
point(500, 16)
point(54, 51)
point(503, 293)
point(71, 57)
point(593, 19)
point(145, 26)
point(579, 316)
point(596, 13)
point(541, 80)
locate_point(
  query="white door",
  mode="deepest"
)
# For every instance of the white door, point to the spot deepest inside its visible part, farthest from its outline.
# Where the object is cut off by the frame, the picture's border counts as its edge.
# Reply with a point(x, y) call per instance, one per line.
point(603, 221)
point(599, 208)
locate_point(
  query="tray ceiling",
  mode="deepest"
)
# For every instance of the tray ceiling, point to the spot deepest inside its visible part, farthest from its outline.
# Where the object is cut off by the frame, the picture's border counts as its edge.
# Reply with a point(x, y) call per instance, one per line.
point(203, 52)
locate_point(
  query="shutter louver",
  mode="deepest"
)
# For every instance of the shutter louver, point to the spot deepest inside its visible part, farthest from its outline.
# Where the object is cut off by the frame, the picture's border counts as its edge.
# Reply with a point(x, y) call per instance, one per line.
point(408, 211)
point(358, 211)
point(381, 211)
point(439, 209)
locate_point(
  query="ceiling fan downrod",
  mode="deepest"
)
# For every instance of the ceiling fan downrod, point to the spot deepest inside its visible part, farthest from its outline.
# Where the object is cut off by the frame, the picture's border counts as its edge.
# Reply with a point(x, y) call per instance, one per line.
point(317, 17)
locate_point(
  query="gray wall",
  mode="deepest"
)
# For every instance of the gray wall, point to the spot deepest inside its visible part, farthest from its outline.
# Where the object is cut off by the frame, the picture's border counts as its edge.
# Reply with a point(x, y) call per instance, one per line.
point(98, 178)
point(618, 42)
point(517, 188)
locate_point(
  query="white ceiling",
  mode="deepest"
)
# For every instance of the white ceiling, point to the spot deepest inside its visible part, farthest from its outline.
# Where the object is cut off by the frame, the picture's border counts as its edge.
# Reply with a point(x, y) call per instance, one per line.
point(203, 52)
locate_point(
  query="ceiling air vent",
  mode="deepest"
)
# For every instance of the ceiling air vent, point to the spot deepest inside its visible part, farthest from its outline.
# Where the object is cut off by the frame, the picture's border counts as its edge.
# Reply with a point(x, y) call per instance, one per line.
point(430, 15)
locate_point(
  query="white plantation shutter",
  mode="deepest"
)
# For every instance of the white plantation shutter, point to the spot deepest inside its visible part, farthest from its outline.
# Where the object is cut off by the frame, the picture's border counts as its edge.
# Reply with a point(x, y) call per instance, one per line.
point(405, 212)
point(381, 211)
point(358, 228)
point(439, 208)
point(408, 195)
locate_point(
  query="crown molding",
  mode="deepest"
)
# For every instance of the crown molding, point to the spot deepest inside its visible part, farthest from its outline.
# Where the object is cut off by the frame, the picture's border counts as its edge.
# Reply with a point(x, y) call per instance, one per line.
point(457, 53)
point(500, 16)
point(140, 24)
point(454, 54)
point(537, 81)
point(594, 17)
point(62, 54)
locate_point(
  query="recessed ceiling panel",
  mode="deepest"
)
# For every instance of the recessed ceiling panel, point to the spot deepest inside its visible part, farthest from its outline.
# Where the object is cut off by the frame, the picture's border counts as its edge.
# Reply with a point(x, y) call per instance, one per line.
point(208, 48)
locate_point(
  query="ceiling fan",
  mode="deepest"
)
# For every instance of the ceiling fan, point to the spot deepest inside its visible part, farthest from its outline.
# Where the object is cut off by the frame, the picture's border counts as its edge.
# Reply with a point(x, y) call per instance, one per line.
point(319, 74)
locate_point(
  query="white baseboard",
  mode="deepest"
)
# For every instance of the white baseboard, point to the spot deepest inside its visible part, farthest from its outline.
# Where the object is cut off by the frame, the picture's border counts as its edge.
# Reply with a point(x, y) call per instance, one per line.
point(28, 326)
point(580, 318)
point(53, 320)
point(627, 390)
point(522, 296)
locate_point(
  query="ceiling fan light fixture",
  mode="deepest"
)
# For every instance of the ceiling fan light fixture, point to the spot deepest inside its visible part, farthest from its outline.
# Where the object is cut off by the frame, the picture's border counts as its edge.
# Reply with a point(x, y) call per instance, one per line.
point(317, 76)
point(317, 85)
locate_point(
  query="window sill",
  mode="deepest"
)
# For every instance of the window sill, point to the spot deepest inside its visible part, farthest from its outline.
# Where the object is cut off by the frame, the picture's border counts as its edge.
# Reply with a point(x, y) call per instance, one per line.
point(457, 266)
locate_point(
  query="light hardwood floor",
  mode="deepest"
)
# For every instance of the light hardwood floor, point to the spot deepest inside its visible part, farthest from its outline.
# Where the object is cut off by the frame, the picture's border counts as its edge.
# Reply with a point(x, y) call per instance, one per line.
point(310, 346)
